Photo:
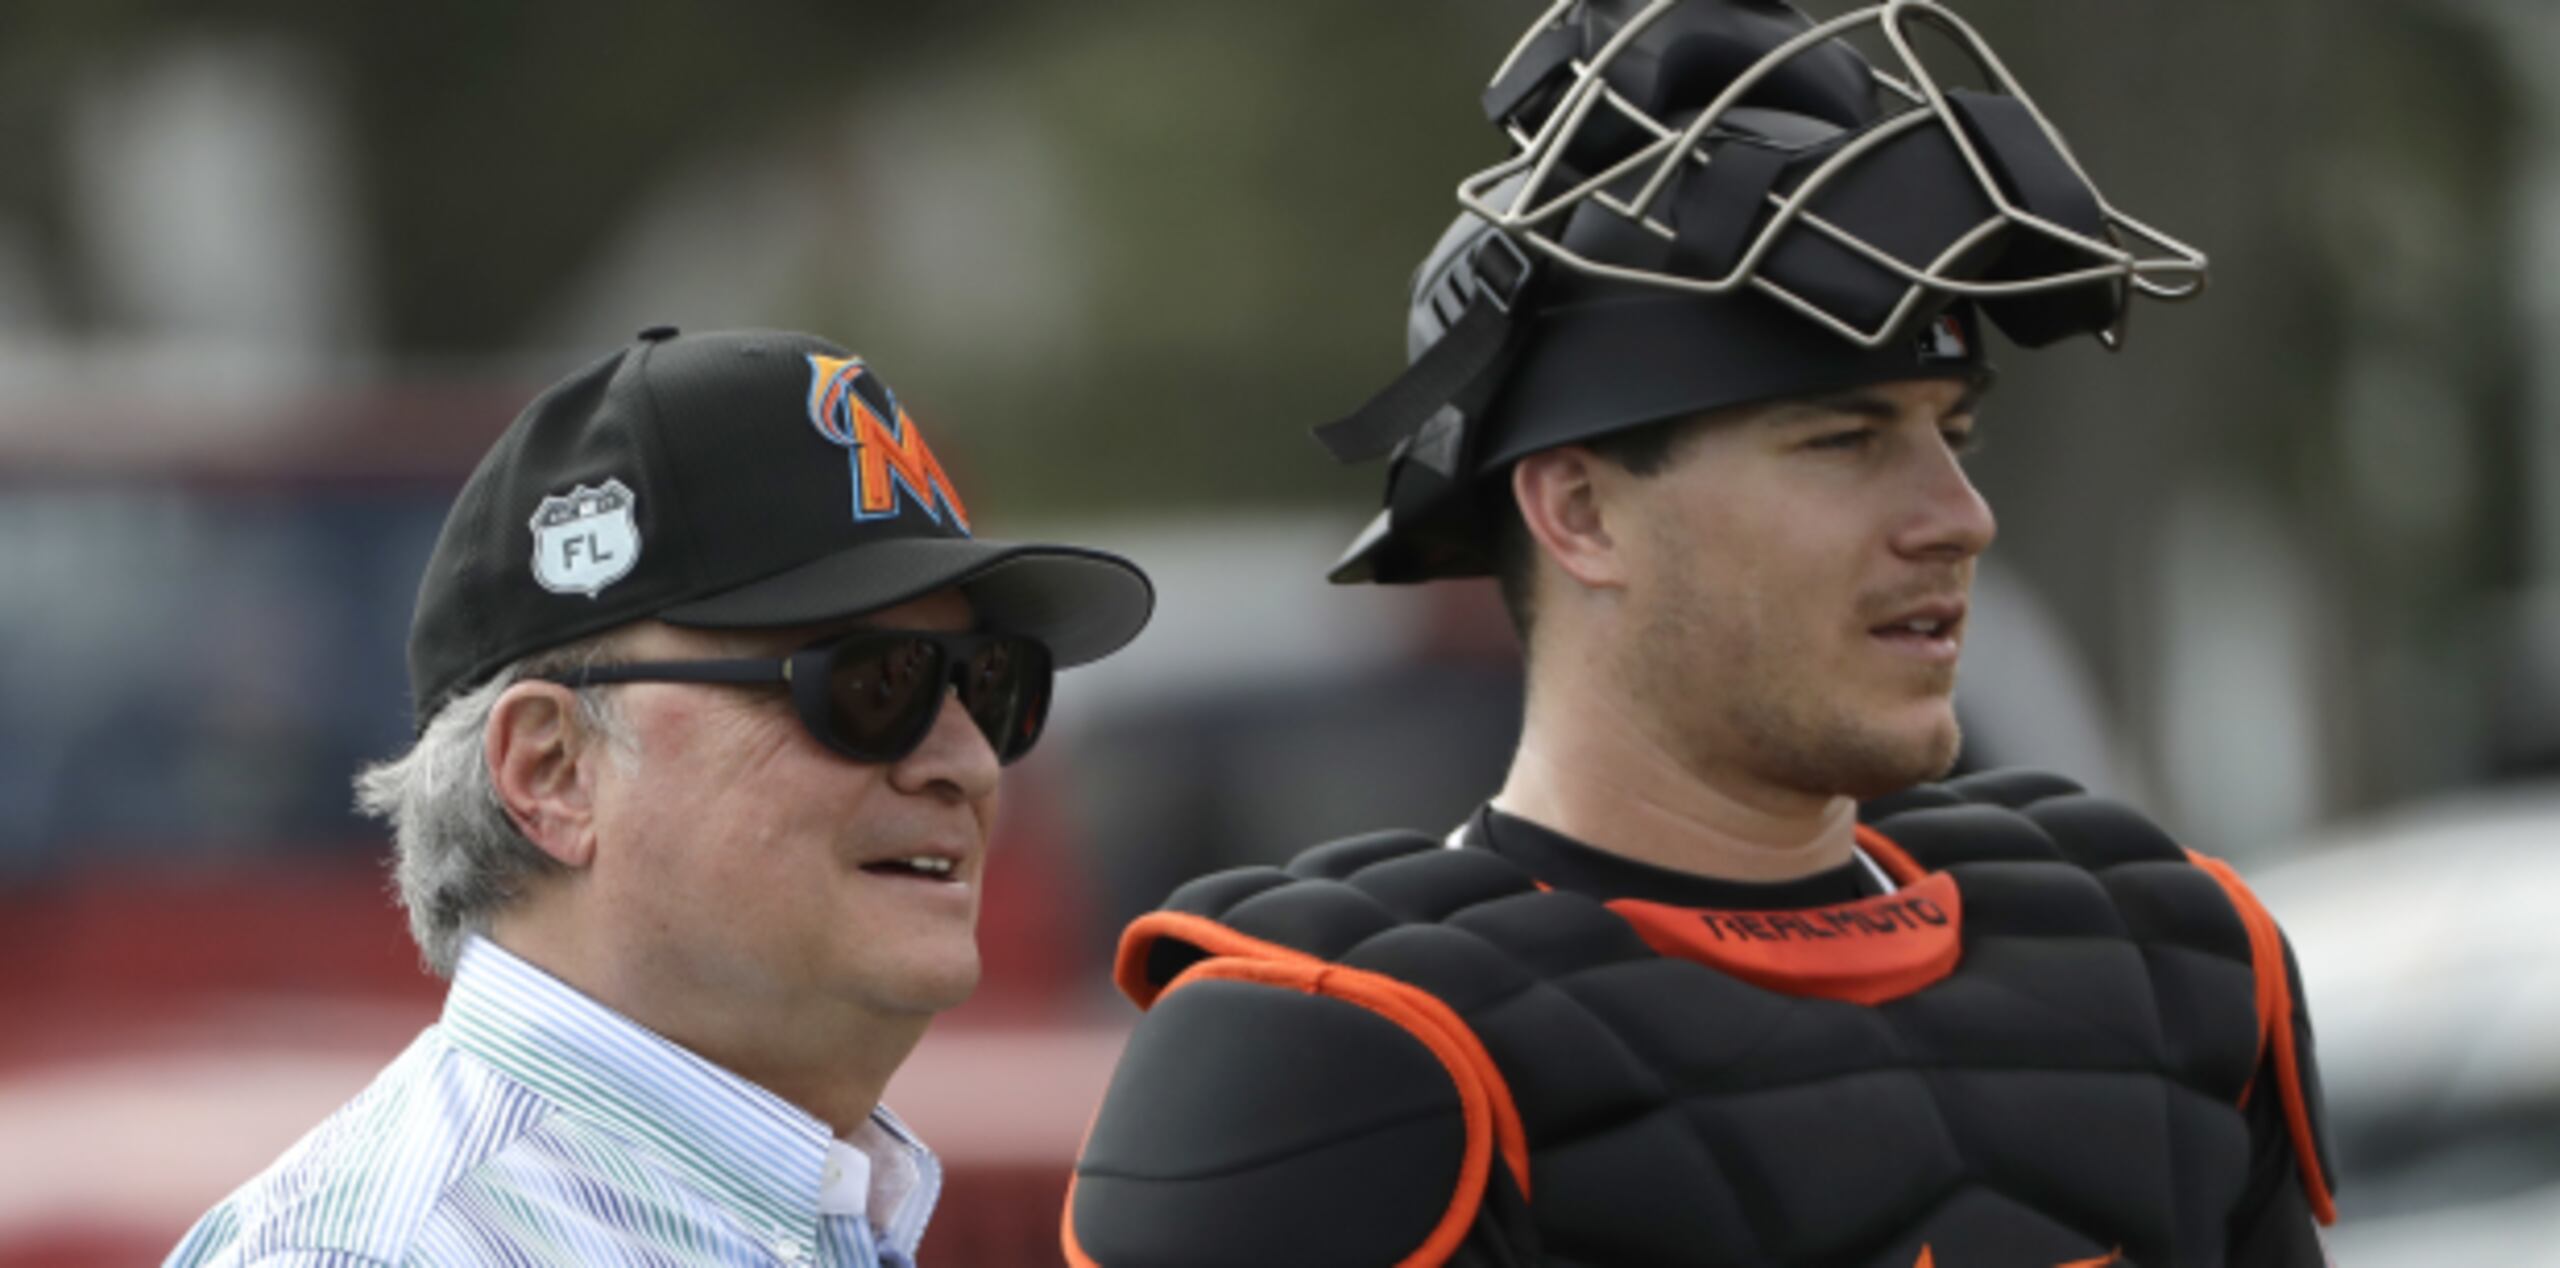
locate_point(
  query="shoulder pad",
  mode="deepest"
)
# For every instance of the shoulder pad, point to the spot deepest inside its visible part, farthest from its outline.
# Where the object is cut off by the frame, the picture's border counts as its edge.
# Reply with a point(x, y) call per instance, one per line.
point(2284, 1038)
point(1212, 895)
point(1329, 901)
point(2015, 816)
point(2013, 789)
point(1290, 1112)
point(1336, 860)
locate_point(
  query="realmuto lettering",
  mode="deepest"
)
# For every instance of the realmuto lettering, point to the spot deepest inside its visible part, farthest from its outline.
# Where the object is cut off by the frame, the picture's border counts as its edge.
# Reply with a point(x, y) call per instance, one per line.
point(1866, 952)
point(1898, 915)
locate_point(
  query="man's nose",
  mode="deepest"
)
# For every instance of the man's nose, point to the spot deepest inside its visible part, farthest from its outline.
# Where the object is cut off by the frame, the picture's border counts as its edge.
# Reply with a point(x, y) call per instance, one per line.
point(1949, 520)
point(955, 759)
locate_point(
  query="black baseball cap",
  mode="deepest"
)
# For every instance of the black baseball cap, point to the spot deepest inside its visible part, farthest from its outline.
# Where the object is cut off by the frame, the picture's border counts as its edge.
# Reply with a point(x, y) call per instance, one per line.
point(735, 479)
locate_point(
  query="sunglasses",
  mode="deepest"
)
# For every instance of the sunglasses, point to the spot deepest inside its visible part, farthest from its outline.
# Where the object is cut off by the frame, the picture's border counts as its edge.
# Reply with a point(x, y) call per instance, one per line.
point(873, 695)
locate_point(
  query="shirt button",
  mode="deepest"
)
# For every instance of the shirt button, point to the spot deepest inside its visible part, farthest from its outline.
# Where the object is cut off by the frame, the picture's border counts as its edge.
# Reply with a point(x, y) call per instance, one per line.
point(792, 1250)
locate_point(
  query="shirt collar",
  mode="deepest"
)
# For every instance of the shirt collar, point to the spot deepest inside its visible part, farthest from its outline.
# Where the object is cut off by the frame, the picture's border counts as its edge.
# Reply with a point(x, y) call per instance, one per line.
point(1570, 864)
point(759, 1156)
point(883, 1174)
point(905, 1179)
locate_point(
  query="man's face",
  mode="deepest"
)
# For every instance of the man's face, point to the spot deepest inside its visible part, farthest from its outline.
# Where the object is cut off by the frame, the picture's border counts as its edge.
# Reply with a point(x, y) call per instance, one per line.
point(1775, 569)
point(757, 867)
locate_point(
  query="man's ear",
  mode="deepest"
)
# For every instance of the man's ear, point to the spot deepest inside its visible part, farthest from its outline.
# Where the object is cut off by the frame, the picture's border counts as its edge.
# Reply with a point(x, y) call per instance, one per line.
point(533, 746)
point(1558, 492)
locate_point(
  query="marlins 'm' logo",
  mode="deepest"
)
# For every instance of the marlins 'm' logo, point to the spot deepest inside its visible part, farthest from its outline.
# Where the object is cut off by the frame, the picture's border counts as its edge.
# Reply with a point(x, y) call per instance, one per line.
point(891, 463)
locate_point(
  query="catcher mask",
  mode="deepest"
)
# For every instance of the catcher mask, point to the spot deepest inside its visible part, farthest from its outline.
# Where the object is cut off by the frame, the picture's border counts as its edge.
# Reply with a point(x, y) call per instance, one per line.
point(1717, 202)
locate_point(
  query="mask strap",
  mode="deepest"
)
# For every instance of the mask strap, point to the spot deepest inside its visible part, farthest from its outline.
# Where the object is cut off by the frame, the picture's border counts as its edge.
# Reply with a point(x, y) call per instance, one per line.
point(1475, 346)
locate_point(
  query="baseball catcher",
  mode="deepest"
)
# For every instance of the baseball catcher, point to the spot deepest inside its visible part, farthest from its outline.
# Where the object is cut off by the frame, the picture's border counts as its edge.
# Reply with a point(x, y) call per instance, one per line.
point(1718, 976)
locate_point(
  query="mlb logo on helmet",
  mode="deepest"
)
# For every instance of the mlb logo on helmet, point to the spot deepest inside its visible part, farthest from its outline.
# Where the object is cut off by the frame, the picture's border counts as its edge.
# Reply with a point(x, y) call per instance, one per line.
point(585, 539)
point(892, 465)
point(1944, 340)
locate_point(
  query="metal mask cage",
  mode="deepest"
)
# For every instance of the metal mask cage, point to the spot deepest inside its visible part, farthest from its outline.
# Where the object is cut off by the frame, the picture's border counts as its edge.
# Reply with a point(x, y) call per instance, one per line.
point(1533, 211)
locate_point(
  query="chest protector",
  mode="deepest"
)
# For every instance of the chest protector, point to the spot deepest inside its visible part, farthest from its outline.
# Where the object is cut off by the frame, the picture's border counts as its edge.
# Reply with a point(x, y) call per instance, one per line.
point(2035, 1052)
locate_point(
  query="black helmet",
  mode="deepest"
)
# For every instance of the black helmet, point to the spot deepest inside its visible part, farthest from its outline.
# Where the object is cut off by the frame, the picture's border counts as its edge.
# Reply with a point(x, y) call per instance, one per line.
point(1719, 202)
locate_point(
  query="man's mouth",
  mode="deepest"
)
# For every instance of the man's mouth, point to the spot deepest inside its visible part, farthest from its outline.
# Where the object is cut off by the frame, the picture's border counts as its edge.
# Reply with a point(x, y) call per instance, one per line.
point(1931, 630)
point(1919, 626)
point(926, 867)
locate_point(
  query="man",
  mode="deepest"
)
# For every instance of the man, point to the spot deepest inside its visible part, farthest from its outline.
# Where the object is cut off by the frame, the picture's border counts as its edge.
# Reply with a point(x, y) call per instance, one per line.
point(1694, 373)
point(713, 688)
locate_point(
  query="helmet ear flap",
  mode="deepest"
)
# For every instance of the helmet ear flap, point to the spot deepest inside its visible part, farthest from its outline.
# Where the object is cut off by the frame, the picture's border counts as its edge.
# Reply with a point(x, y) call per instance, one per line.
point(2040, 180)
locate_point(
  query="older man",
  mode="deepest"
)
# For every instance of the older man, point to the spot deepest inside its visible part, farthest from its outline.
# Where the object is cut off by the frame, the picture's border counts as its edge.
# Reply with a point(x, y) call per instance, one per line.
point(714, 686)
point(1696, 372)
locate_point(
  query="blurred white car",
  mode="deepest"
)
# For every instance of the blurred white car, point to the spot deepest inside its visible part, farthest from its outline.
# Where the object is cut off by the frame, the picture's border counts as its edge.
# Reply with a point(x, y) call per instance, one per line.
point(2429, 942)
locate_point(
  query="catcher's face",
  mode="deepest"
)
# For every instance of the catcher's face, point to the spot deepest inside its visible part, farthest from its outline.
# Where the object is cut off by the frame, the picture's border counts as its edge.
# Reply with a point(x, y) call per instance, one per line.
point(1796, 589)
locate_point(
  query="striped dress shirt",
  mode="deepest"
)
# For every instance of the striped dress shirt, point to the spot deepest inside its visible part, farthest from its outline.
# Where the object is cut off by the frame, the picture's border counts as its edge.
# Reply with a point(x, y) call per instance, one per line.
point(531, 1125)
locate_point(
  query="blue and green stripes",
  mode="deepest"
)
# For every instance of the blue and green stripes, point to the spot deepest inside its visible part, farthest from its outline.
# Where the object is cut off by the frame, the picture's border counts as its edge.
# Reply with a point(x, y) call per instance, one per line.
point(533, 1126)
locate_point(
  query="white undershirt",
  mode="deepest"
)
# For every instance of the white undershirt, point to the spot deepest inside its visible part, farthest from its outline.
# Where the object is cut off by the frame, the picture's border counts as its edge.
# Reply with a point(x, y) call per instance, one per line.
point(1883, 881)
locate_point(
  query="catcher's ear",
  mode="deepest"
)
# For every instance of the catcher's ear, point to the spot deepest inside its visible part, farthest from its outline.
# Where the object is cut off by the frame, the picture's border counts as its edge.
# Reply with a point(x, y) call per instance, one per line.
point(1563, 501)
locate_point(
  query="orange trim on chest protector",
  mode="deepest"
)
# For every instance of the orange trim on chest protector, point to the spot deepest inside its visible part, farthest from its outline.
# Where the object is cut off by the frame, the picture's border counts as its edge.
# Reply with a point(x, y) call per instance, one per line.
point(2116, 1256)
point(1864, 952)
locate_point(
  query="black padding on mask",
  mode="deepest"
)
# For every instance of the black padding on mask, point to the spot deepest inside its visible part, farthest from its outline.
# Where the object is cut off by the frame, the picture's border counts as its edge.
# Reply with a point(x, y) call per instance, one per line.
point(1598, 232)
point(1684, 61)
point(1607, 136)
point(1689, 56)
point(1536, 66)
point(1718, 208)
point(1911, 197)
point(1781, 129)
point(2036, 176)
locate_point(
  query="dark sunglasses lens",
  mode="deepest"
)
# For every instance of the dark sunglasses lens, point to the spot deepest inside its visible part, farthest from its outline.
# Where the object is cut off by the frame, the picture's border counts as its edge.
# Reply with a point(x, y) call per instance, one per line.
point(882, 695)
point(1005, 687)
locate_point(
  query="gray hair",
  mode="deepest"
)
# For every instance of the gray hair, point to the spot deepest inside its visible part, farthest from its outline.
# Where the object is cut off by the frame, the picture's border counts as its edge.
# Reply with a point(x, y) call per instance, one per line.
point(458, 858)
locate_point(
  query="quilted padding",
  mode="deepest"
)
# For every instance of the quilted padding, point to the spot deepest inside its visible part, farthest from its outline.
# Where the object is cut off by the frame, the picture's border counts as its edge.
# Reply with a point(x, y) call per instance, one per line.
point(2068, 1091)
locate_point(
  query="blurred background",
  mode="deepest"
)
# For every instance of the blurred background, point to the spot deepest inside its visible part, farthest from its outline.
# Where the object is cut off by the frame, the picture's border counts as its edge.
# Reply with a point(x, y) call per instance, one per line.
point(2286, 572)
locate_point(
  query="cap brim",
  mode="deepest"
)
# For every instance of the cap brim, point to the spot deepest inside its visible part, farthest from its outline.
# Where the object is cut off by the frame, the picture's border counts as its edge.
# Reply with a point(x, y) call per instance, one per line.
point(1084, 604)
